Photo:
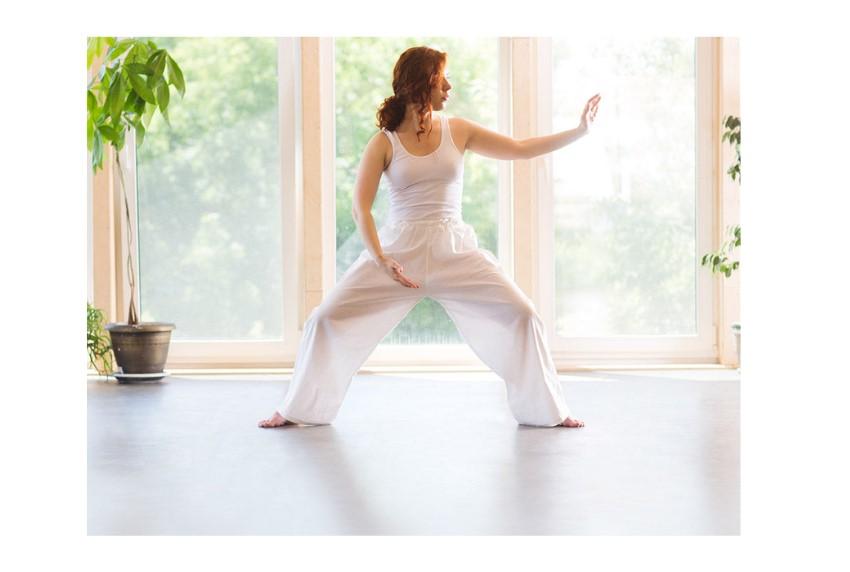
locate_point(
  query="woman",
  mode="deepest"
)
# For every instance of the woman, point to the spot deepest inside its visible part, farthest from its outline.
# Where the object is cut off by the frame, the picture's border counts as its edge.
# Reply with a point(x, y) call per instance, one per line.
point(427, 250)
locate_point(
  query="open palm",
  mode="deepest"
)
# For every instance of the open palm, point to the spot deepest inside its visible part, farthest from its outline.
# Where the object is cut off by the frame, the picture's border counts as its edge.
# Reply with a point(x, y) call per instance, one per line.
point(588, 116)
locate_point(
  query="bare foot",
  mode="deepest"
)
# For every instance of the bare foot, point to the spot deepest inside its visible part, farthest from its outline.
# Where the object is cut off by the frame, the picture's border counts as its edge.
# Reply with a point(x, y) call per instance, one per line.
point(274, 421)
point(570, 422)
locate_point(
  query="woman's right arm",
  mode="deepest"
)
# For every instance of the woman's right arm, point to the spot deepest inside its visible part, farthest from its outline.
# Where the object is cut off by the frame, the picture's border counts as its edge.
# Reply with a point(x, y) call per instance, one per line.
point(365, 189)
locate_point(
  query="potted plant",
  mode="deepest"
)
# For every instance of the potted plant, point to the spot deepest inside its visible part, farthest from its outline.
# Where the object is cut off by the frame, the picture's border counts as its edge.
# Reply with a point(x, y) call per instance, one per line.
point(134, 81)
point(719, 260)
point(97, 341)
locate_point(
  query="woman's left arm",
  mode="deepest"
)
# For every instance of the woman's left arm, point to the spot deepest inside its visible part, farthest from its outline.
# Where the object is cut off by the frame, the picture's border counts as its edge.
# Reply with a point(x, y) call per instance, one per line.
point(497, 146)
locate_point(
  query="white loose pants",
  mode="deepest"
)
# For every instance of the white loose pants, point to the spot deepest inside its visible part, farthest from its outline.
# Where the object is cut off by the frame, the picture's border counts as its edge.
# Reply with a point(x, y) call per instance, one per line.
point(490, 311)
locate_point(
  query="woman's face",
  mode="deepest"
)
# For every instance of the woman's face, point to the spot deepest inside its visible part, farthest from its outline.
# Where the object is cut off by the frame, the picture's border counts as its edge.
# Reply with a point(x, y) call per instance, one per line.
point(440, 91)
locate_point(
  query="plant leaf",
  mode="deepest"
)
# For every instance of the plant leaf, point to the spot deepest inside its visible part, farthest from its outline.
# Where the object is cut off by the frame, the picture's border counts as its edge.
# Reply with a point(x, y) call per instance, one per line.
point(175, 76)
point(99, 117)
point(133, 54)
point(119, 48)
point(147, 114)
point(157, 63)
point(139, 69)
point(143, 51)
point(139, 105)
point(115, 99)
point(97, 151)
point(140, 133)
point(162, 95)
point(140, 87)
point(154, 54)
point(130, 100)
point(108, 132)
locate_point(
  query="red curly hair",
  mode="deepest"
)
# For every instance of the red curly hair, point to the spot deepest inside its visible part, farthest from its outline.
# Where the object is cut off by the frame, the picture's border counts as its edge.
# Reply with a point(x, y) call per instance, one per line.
point(415, 73)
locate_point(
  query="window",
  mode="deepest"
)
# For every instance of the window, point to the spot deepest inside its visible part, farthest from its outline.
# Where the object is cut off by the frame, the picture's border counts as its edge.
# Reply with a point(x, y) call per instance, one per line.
point(209, 217)
point(625, 222)
point(628, 215)
point(363, 79)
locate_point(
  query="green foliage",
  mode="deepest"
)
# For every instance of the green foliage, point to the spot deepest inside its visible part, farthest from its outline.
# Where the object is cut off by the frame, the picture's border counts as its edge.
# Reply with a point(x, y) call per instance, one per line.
point(719, 260)
point(126, 91)
point(98, 342)
point(733, 135)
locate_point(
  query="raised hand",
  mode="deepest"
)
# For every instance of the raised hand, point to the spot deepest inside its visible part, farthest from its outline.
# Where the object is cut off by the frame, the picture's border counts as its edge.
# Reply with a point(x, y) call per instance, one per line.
point(588, 116)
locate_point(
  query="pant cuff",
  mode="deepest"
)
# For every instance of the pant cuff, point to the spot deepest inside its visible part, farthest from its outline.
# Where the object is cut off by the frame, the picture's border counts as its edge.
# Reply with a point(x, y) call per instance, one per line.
point(300, 420)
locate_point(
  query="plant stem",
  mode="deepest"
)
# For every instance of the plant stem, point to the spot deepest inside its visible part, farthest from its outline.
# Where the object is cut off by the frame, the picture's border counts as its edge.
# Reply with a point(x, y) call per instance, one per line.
point(132, 318)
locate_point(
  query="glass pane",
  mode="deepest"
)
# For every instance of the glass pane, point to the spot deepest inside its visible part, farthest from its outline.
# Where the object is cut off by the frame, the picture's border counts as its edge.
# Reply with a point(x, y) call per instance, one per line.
point(625, 196)
point(209, 195)
point(364, 70)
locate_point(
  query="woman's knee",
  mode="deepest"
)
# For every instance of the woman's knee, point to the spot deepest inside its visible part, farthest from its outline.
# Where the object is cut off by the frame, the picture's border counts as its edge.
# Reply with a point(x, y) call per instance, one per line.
point(323, 313)
point(524, 309)
point(334, 309)
point(529, 312)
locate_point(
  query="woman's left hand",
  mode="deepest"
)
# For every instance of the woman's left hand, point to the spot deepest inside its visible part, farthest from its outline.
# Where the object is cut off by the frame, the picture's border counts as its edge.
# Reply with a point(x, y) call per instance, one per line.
point(588, 116)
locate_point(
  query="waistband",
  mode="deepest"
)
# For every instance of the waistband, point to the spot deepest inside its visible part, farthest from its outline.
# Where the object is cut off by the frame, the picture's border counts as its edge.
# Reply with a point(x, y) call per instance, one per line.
point(427, 221)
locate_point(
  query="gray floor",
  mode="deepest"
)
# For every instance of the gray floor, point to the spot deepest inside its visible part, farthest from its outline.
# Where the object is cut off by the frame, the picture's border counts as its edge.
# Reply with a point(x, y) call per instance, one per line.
point(428, 454)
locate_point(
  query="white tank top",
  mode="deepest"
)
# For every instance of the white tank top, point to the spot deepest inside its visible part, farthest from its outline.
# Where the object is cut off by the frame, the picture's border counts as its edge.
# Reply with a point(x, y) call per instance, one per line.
point(429, 186)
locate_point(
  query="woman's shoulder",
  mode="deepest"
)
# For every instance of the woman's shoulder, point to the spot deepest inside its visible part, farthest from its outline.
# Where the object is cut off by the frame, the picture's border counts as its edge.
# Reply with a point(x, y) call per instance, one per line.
point(459, 128)
point(459, 124)
point(381, 141)
point(384, 138)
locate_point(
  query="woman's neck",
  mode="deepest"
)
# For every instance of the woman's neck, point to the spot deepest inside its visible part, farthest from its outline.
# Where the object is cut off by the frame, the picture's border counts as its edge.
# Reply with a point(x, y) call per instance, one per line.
point(411, 121)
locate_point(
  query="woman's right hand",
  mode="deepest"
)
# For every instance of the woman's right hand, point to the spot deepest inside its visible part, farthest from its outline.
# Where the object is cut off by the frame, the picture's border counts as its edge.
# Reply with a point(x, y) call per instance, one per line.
point(392, 267)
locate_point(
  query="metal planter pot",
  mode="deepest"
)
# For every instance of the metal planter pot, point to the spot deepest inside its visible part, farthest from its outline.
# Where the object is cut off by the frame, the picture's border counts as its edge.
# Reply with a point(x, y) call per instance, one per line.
point(140, 349)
